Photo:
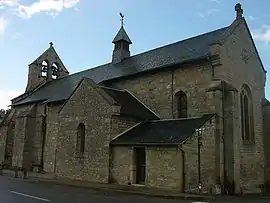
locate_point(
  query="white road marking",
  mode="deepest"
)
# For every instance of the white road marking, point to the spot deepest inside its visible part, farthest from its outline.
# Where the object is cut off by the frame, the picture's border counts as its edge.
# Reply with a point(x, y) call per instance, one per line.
point(200, 202)
point(33, 197)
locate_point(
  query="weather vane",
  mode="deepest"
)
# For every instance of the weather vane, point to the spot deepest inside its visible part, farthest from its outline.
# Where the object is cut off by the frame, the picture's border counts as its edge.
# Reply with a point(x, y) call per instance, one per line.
point(122, 18)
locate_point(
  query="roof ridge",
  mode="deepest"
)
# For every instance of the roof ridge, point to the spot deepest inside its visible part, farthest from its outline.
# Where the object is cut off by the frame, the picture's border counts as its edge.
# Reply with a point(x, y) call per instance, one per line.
point(110, 88)
point(147, 51)
point(157, 58)
point(142, 104)
point(173, 43)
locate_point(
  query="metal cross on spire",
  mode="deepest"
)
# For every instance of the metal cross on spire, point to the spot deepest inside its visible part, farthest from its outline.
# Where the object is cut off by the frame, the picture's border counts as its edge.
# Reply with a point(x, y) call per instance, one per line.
point(122, 18)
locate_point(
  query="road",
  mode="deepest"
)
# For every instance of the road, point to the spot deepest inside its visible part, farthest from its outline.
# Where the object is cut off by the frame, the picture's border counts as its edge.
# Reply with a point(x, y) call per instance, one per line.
point(19, 191)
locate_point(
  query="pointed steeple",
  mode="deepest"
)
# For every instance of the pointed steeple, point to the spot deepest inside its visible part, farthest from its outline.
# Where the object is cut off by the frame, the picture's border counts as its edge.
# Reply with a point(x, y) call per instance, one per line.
point(121, 44)
point(121, 36)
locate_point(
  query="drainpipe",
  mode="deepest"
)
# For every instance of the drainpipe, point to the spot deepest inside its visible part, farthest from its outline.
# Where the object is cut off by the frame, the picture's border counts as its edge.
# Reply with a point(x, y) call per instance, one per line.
point(183, 168)
point(44, 129)
point(199, 131)
point(225, 184)
point(110, 151)
point(172, 89)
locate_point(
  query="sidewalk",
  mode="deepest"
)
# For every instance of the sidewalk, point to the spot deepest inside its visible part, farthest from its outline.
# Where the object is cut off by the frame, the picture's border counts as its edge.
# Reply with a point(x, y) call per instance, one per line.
point(139, 190)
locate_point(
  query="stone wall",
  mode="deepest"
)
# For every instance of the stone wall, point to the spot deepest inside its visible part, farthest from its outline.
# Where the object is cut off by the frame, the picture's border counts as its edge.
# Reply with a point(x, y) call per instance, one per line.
point(29, 149)
point(3, 137)
point(119, 124)
point(19, 139)
point(192, 78)
point(164, 165)
point(28, 136)
point(241, 65)
point(37, 139)
point(266, 133)
point(34, 71)
point(52, 127)
point(165, 173)
point(85, 106)
point(208, 159)
point(121, 165)
point(164, 168)
point(24, 150)
point(8, 148)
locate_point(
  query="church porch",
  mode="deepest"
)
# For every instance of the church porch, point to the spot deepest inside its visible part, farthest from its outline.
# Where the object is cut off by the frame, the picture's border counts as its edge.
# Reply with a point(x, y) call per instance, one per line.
point(177, 154)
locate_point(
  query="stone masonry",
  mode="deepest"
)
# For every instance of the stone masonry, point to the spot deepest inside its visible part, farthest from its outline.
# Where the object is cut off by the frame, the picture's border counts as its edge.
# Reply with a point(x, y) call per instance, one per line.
point(42, 131)
point(172, 163)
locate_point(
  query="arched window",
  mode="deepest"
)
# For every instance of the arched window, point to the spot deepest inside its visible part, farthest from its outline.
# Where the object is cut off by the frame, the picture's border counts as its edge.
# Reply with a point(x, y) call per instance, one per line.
point(181, 104)
point(80, 145)
point(247, 120)
point(44, 69)
point(55, 71)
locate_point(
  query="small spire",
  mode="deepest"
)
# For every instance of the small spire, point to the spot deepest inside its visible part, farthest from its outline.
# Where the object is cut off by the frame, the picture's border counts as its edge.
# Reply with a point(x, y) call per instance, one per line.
point(51, 44)
point(122, 35)
point(122, 19)
point(239, 10)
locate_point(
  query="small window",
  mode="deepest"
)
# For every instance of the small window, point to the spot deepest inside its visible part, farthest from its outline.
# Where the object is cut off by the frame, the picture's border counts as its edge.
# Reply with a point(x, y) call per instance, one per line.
point(181, 104)
point(44, 69)
point(125, 46)
point(117, 46)
point(55, 71)
point(80, 145)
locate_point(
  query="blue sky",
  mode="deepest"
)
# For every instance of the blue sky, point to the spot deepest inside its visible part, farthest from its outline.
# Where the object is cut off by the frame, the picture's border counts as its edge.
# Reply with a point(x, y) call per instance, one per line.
point(82, 30)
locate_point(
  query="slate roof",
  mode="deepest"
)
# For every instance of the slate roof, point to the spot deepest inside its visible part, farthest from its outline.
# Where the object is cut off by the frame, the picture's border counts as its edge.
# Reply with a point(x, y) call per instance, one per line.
point(162, 132)
point(265, 102)
point(187, 50)
point(130, 105)
point(122, 36)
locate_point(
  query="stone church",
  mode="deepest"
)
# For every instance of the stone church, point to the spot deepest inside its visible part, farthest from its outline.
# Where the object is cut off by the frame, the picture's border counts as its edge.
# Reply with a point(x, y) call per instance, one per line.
point(189, 116)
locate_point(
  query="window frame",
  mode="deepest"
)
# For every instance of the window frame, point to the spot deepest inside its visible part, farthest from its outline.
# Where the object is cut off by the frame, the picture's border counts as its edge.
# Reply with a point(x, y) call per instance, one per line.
point(247, 118)
point(181, 104)
point(80, 139)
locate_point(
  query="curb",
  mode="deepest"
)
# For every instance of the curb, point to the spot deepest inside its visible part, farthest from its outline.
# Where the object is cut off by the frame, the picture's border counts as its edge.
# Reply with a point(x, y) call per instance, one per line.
point(123, 190)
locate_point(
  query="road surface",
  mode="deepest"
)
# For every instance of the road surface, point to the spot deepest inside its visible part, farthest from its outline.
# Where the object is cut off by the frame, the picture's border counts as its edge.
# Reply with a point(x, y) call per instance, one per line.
point(20, 191)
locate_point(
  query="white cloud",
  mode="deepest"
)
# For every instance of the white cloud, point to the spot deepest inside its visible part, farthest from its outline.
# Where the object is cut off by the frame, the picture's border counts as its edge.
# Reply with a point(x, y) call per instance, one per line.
point(252, 18)
point(209, 12)
point(51, 7)
point(6, 96)
point(202, 15)
point(3, 25)
point(262, 34)
point(4, 3)
point(215, 1)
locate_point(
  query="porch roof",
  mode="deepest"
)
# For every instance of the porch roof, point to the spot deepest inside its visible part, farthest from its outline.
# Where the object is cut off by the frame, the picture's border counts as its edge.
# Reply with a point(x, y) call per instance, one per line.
point(161, 132)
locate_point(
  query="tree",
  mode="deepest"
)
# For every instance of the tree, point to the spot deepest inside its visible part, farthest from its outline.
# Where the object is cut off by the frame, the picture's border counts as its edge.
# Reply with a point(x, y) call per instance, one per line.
point(2, 113)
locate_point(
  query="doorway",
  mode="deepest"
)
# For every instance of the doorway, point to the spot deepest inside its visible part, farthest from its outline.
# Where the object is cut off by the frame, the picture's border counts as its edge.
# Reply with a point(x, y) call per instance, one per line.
point(140, 161)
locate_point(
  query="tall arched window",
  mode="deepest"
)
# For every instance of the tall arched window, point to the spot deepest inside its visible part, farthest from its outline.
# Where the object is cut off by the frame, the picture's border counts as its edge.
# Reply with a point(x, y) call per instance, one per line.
point(181, 104)
point(80, 145)
point(247, 120)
